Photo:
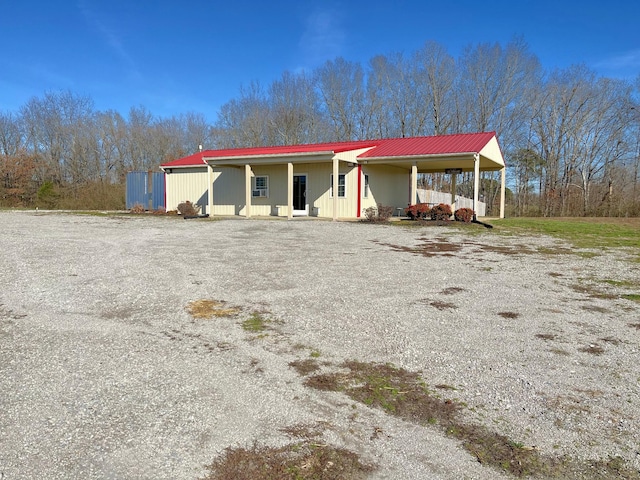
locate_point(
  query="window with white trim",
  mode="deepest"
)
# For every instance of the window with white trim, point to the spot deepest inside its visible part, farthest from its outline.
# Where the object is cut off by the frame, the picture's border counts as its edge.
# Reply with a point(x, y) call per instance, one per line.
point(365, 186)
point(260, 186)
point(342, 186)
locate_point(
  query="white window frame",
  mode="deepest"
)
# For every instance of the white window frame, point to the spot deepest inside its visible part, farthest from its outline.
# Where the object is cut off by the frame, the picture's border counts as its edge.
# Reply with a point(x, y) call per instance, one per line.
point(365, 186)
point(343, 177)
point(260, 192)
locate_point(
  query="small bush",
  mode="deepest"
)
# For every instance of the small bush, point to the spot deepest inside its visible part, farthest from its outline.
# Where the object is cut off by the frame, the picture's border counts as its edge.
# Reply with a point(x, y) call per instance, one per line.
point(441, 211)
point(464, 215)
point(418, 211)
point(137, 208)
point(423, 210)
point(411, 211)
point(380, 213)
point(188, 209)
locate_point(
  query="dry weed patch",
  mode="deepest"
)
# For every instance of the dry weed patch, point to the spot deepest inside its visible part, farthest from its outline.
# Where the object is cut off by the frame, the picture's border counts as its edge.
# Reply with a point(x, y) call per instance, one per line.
point(593, 349)
point(207, 309)
point(300, 461)
point(305, 367)
point(546, 336)
point(509, 314)
point(452, 290)
point(405, 394)
point(443, 305)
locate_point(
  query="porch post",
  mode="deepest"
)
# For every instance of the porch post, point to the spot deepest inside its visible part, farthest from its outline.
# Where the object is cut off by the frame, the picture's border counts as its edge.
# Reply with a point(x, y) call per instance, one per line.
point(336, 173)
point(414, 184)
point(289, 190)
point(210, 189)
point(503, 185)
point(476, 183)
point(247, 190)
point(454, 180)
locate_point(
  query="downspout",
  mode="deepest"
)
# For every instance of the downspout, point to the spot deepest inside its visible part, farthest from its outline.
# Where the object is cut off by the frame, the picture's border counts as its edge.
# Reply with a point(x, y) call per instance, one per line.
point(359, 191)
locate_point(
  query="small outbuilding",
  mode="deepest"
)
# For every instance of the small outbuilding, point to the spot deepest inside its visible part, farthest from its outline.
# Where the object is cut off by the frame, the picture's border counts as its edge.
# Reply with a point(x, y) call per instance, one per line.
point(331, 180)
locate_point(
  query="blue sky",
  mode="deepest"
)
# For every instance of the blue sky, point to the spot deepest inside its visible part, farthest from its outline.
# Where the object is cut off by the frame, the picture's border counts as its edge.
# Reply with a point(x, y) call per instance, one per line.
point(191, 55)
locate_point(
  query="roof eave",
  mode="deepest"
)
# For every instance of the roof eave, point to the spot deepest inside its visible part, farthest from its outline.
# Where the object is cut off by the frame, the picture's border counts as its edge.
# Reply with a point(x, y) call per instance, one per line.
point(269, 158)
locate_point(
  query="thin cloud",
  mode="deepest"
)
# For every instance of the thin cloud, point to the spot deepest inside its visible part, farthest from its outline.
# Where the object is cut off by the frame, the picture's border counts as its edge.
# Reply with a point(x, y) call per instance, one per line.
point(110, 37)
point(324, 35)
point(627, 60)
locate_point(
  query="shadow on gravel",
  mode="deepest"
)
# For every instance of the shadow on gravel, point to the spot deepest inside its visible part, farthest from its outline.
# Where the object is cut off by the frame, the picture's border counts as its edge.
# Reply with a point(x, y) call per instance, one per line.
point(405, 394)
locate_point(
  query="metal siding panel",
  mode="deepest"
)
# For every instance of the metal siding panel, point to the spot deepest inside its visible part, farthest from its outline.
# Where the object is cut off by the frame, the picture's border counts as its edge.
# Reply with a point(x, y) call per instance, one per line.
point(136, 193)
point(157, 192)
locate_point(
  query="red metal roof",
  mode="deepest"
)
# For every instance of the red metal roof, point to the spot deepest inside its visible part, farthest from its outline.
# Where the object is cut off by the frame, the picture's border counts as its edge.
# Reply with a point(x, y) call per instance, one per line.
point(436, 145)
point(392, 147)
point(190, 161)
point(334, 147)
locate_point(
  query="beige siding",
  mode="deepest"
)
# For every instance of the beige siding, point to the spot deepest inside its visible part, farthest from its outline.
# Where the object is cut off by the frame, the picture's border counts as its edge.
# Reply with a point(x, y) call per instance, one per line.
point(388, 186)
point(318, 189)
point(187, 184)
point(228, 191)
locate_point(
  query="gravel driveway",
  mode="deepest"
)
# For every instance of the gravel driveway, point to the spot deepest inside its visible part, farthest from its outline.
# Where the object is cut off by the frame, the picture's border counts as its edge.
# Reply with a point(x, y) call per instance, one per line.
point(104, 374)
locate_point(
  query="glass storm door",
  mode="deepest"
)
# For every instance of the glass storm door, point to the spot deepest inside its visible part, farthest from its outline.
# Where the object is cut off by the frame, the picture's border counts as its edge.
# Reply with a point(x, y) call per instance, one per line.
point(300, 195)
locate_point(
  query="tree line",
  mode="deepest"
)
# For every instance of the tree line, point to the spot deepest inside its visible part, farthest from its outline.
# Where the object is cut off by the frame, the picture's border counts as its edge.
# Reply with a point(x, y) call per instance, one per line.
point(571, 138)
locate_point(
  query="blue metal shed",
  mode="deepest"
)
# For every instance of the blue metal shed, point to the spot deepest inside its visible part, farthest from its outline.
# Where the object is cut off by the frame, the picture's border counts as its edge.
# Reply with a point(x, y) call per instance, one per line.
point(146, 189)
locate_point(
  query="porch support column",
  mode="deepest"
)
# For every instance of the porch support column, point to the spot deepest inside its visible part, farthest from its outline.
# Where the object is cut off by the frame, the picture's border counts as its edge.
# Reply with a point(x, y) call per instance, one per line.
point(289, 190)
point(476, 183)
point(414, 184)
point(503, 185)
point(210, 189)
point(454, 180)
point(336, 173)
point(247, 190)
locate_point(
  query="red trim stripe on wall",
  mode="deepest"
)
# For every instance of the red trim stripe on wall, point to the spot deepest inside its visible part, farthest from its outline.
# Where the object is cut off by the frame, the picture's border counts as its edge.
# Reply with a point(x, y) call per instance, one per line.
point(359, 189)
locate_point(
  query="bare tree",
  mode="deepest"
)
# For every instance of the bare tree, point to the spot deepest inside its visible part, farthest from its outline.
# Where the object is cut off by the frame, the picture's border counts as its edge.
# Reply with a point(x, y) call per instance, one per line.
point(294, 116)
point(341, 87)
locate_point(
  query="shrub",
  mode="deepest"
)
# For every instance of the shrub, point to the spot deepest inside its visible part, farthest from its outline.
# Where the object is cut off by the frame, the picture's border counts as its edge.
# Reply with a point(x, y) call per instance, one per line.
point(188, 209)
point(411, 211)
point(418, 211)
point(380, 213)
point(441, 211)
point(137, 208)
point(423, 210)
point(48, 195)
point(464, 215)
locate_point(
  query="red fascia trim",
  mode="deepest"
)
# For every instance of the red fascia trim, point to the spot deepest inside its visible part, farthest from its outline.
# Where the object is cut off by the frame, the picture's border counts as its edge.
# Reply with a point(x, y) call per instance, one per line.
point(359, 189)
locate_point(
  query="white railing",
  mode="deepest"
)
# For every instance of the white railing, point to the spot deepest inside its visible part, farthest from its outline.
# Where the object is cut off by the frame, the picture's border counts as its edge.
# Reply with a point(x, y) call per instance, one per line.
point(433, 197)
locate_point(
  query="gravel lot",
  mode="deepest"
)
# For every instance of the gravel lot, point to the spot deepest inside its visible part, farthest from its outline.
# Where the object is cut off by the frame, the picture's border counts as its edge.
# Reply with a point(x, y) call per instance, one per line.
point(105, 375)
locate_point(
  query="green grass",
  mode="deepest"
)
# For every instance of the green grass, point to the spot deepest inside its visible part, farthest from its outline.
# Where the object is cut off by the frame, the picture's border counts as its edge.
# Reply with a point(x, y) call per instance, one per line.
point(581, 232)
point(256, 323)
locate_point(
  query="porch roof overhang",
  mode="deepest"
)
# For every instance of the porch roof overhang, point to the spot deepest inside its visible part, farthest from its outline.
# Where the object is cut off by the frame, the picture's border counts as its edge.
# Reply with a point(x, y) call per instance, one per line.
point(437, 163)
point(273, 159)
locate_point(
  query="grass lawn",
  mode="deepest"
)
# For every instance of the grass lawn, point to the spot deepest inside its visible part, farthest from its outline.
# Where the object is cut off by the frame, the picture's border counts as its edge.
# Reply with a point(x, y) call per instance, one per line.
point(581, 232)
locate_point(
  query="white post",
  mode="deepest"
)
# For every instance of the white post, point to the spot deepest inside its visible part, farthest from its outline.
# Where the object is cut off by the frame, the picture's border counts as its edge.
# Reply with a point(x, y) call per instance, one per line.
point(476, 183)
point(336, 173)
point(247, 190)
point(289, 190)
point(210, 189)
point(503, 186)
point(454, 179)
point(414, 184)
